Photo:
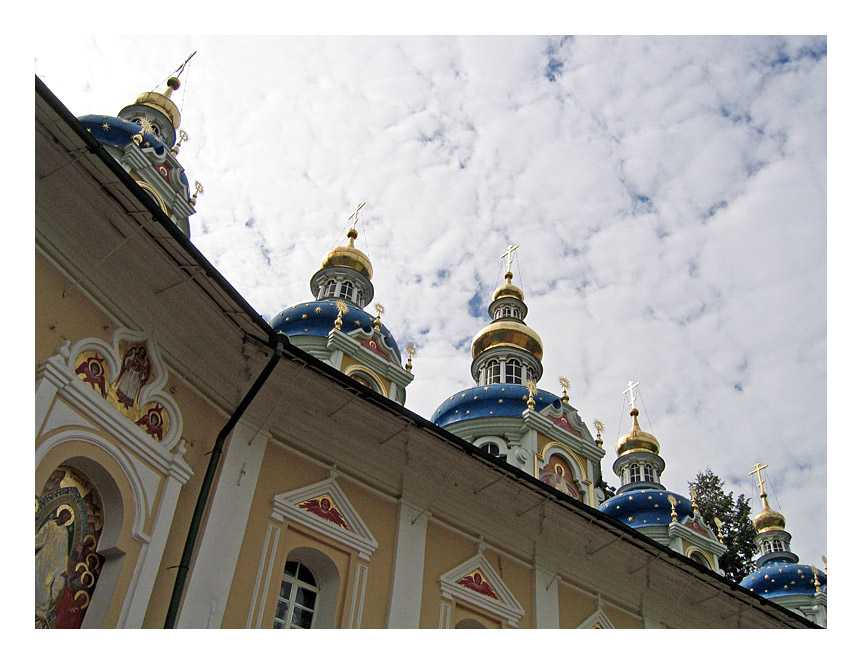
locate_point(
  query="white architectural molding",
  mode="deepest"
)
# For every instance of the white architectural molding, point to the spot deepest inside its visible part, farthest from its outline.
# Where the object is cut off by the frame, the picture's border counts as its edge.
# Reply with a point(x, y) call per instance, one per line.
point(222, 536)
point(505, 606)
point(546, 603)
point(405, 602)
point(598, 618)
point(358, 601)
point(356, 536)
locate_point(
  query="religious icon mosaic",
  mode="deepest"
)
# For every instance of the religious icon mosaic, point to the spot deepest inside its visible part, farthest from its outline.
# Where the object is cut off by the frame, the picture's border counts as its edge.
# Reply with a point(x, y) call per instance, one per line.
point(558, 474)
point(68, 526)
point(124, 391)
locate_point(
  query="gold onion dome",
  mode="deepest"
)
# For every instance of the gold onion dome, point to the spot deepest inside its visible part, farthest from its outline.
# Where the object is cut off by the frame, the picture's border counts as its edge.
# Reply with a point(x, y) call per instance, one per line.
point(768, 518)
point(162, 101)
point(637, 440)
point(349, 256)
point(511, 332)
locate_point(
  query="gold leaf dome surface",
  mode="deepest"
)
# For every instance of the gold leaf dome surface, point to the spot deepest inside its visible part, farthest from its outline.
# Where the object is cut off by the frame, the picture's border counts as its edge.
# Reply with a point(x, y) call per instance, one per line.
point(637, 440)
point(508, 333)
point(349, 256)
point(768, 519)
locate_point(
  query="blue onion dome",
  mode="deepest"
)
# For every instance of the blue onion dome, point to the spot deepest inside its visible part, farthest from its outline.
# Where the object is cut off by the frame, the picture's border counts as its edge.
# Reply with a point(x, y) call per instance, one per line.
point(647, 507)
point(781, 576)
point(119, 132)
point(317, 319)
point(498, 400)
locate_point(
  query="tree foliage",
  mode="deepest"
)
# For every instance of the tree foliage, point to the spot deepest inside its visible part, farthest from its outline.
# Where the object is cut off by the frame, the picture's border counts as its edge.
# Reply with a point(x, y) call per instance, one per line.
point(736, 527)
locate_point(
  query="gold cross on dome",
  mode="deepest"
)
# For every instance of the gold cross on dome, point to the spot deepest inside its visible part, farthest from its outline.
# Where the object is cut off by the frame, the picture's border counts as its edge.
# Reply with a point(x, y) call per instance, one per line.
point(631, 392)
point(508, 256)
point(355, 215)
point(757, 469)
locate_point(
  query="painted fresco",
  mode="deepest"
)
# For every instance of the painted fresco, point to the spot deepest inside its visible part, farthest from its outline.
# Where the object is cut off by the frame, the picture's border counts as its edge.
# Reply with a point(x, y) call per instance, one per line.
point(558, 474)
point(68, 527)
point(124, 391)
point(325, 508)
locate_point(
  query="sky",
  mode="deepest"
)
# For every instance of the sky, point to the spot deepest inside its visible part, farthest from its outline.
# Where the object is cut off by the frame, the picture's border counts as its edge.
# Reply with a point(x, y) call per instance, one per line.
point(668, 194)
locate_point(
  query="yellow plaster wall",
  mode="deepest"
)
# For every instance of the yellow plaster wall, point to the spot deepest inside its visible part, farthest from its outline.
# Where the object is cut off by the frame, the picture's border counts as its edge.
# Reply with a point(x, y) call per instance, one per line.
point(446, 549)
point(575, 606)
point(283, 471)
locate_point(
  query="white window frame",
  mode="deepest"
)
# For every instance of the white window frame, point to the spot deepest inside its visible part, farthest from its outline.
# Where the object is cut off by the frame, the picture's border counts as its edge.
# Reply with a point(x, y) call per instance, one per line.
point(295, 584)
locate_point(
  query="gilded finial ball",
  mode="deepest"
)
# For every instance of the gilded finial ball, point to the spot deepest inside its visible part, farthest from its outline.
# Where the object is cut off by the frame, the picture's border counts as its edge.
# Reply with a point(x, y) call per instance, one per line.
point(173, 83)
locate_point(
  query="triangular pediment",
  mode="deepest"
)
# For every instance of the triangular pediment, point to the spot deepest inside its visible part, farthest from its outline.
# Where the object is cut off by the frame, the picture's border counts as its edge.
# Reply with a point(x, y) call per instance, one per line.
point(324, 508)
point(598, 620)
point(476, 582)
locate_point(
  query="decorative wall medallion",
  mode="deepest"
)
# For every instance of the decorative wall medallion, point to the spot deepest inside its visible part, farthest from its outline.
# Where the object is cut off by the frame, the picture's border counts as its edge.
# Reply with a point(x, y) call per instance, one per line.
point(154, 421)
point(324, 507)
point(68, 527)
point(475, 581)
point(130, 375)
point(91, 369)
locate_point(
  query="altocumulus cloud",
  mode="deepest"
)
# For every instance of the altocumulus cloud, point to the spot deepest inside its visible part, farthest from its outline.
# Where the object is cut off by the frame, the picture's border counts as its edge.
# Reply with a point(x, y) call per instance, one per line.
point(668, 195)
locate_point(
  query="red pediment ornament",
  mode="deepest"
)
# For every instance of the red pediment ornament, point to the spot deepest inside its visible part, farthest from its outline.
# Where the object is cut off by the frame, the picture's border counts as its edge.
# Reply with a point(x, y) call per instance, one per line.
point(476, 582)
point(324, 507)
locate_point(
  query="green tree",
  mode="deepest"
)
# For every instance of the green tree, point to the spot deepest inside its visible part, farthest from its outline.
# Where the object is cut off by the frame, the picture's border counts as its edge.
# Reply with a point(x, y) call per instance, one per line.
point(737, 531)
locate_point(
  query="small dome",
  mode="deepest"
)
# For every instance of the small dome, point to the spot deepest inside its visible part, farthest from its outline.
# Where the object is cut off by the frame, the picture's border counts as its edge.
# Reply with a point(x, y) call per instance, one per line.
point(349, 256)
point(317, 319)
point(498, 400)
point(637, 440)
point(781, 577)
point(768, 519)
point(647, 507)
point(508, 290)
point(511, 333)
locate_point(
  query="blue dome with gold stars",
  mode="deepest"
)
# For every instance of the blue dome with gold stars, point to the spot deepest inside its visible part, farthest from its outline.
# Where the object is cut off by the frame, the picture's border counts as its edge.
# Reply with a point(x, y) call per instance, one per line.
point(118, 132)
point(498, 400)
point(317, 319)
point(781, 576)
point(646, 507)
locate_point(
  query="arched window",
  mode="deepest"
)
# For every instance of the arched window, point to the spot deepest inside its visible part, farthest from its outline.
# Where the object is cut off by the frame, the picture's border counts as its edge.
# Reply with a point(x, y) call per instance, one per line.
point(346, 290)
point(513, 372)
point(635, 471)
point(492, 372)
point(648, 476)
point(360, 298)
point(366, 380)
point(329, 289)
point(297, 598)
point(469, 623)
point(700, 558)
point(492, 448)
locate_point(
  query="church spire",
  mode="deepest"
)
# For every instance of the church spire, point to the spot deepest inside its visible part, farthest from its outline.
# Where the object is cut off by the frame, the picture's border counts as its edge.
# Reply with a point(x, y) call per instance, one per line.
point(507, 350)
point(638, 463)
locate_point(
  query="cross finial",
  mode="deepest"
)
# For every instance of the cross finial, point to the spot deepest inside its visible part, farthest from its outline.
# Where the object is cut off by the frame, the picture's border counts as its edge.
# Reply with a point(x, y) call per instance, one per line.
point(355, 215)
point(757, 469)
point(411, 351)
point(508, 256)
point(630, 390)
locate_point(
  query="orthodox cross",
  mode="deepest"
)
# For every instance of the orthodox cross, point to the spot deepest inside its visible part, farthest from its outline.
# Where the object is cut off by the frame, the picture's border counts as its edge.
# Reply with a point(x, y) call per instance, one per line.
point(757, 469)
point(508, 256)
point(355, 215)
point(631, 392)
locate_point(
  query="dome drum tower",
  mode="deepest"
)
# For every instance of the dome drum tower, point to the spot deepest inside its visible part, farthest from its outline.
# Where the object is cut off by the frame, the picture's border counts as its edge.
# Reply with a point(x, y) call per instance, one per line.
point(143, 140)
point(336, 329)
point(508, 416)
